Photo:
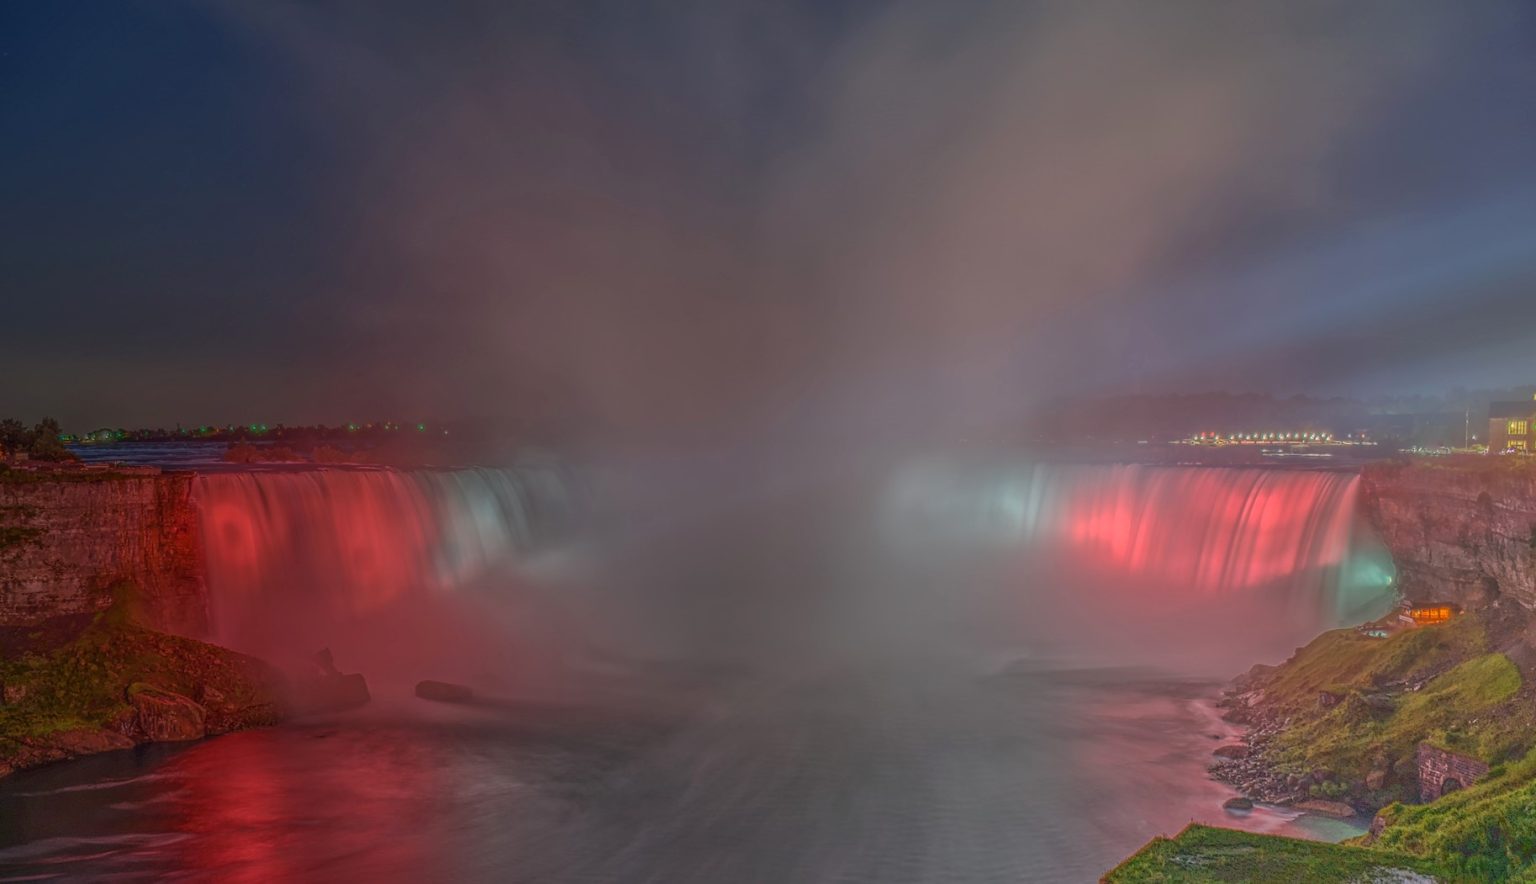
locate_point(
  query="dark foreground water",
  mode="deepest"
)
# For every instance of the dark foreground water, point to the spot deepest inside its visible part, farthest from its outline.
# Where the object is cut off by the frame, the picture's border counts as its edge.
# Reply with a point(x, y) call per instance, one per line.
point(934, 774)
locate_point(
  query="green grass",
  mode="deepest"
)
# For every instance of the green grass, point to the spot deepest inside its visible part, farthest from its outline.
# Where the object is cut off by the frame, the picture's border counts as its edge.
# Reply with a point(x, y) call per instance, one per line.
point(1484, 833)
point(1208, 854)
point(1473, 709)
point(1343, 660)
point(1468, 700)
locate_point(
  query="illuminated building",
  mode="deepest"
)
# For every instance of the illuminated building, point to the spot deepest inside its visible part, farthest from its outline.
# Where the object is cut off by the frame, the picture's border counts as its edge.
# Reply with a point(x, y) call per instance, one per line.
point(1510, 425)
point(1428, 615)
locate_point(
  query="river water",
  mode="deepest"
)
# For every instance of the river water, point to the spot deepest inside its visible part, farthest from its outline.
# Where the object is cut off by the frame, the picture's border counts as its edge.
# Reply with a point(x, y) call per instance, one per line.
point(859, 776)
point(975, 690)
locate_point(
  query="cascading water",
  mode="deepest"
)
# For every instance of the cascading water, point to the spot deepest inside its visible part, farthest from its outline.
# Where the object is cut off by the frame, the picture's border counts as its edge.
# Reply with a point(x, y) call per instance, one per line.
point(294, 556)
point(1268, 554)
point(1151, 562)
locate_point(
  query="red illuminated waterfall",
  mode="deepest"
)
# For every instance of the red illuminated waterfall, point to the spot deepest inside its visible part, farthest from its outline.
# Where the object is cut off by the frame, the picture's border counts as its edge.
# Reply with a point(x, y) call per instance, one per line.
point(1212, 530)
point(333, 545)
point(1178, 535)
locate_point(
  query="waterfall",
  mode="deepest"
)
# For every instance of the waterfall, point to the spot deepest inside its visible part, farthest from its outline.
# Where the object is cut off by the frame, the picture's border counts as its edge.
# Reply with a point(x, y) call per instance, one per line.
point(339, 544)
point(1161, 543)
point(1160, 560)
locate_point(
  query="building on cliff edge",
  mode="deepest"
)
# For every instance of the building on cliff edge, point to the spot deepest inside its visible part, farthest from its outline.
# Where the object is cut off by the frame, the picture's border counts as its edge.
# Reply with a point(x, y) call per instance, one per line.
point(1510, 426)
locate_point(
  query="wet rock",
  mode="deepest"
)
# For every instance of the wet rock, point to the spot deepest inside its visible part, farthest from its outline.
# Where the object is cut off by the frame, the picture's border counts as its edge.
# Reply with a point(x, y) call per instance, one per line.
point(325, 662)
point(72, 744)
point(329, 693)
point(1337, 809)
point(166, 716)
point(326, 688)
point(444, 692)
point(1238, 803)
point(1232, 750)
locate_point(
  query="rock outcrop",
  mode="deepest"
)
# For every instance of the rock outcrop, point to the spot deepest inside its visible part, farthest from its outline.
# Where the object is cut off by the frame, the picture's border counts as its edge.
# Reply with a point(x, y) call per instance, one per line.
point(1459, 531)
point(67, 538)
point(71, 692)
point(166, 716)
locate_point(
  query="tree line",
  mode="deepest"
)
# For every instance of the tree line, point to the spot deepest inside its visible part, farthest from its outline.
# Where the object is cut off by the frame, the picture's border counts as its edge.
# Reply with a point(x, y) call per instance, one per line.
point(39, 442)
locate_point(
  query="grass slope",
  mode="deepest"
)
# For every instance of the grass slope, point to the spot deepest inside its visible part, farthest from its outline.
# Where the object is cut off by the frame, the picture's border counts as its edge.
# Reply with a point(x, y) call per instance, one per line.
point(1442, 685)
point(1483, 833)
point(1207, 854)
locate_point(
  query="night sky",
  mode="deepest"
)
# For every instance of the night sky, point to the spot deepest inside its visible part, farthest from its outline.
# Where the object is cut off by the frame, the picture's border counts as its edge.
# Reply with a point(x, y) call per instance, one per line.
point(869, 217)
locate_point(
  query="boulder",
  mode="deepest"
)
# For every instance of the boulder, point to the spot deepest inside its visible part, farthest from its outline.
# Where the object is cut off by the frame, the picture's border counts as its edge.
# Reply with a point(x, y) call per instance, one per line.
point(329, 693)
point(444, 692)
point(1376, 779)
point(1378, 825)
point(1231, 750)
point(1238, 803)
point(166, 716)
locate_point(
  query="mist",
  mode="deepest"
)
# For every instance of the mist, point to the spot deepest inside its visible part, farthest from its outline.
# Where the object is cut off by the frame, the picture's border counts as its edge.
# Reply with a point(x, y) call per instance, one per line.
point(767, 267)
point(885, 227)
point(737, 328)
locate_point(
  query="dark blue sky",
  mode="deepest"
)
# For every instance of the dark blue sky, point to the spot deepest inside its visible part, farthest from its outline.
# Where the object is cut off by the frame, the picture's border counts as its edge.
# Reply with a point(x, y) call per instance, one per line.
point(753, 213)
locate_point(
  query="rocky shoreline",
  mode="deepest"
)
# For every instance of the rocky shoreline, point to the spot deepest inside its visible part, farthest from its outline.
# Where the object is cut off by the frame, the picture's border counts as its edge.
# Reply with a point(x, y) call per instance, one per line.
point(1248, 765)
point(79, 686)
point(1244, 765)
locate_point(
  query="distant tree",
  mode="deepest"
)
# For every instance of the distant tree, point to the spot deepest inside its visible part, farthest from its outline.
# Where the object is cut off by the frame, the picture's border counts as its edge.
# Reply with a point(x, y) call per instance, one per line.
point(14, 436)
point(45, 441)
point(242, 452)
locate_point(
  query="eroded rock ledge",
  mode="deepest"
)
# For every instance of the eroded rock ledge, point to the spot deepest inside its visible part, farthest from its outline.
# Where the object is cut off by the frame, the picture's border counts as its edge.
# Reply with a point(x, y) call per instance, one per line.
point(82, 684)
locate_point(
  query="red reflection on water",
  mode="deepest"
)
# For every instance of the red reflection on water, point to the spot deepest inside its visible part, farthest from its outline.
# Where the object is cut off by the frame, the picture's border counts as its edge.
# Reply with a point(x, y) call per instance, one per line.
point(286, 806)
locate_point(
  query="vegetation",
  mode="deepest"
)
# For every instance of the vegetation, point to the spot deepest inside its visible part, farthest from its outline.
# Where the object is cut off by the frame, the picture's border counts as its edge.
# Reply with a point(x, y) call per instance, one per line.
point(1483, 833)
point(244, 452)
point(1208, 854)
point(77, 674)
point(1356, 708)
point(43, 442)
point(1448, 685)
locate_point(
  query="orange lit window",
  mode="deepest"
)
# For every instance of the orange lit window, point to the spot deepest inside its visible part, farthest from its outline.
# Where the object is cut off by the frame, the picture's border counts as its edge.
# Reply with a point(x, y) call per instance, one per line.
point(1519, 428)
point(1432, 614)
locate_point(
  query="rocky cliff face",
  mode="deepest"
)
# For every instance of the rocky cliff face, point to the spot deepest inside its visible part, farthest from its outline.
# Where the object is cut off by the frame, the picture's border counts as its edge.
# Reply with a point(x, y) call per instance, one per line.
point(1458, 532)
point(65, 540)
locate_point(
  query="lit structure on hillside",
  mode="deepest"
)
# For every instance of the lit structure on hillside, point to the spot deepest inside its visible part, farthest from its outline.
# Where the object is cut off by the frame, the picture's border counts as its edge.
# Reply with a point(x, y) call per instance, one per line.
point(1429, 615)
point(1510, 425)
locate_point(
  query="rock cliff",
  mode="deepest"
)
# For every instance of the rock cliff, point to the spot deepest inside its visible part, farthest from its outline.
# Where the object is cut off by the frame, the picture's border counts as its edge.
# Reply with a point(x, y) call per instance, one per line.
point(1460, 531)
point(67, 538)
